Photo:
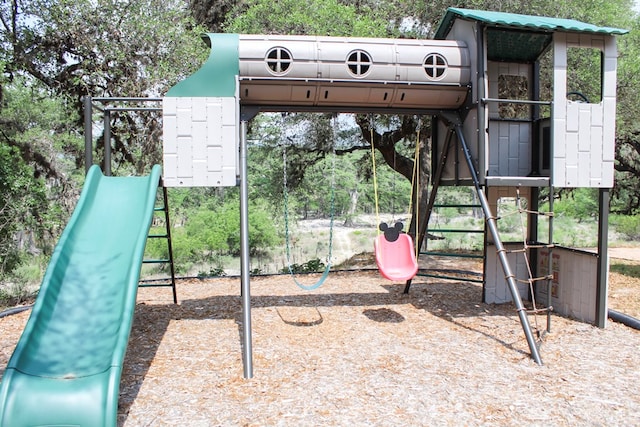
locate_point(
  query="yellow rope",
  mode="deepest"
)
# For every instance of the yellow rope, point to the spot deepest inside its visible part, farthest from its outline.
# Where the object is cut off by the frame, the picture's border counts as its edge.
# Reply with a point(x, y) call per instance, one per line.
point(375, 180)
point(415, 183)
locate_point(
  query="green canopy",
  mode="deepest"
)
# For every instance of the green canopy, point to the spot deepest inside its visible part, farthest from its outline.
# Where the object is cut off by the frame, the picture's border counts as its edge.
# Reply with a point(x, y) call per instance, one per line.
point(516, 37)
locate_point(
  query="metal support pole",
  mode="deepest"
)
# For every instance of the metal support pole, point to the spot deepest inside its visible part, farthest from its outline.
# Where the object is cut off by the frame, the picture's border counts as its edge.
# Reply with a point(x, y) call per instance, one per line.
point(107, 142)
point(550, 258)
point(247, 350)
point(603, 258)
point(502, 255)
point(88, 132)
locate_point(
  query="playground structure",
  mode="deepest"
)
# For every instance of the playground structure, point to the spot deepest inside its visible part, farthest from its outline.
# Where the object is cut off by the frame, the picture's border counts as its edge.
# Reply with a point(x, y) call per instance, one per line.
point(460, 79)
point(456, 79)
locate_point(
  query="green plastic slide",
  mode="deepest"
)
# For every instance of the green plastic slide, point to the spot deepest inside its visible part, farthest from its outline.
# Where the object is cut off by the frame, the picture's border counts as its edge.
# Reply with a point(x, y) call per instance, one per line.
point(65, 370)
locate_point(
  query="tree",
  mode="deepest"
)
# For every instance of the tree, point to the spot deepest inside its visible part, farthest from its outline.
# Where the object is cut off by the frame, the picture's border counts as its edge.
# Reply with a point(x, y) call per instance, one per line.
point(52, 54)
point(21, 198)
point(77, 48)
point(35, 130)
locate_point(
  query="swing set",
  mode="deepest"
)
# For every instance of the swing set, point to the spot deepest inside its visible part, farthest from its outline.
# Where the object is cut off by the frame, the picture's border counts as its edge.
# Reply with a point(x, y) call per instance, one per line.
point(456, 79)
point(395, 253)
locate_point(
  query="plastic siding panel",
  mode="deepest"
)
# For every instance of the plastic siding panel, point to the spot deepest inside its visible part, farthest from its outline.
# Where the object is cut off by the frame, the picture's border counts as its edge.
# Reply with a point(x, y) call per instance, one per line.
point(199, 135)
point(198, 109)
point(503, 148)
point(609, 131)
point(572, 175)
point(607, 174)
point(497, 289)
point(572, 142)
point(584, 173)
point(595, 148)
point(199, 172)
point(494, 157)
point(584, 140)
point(524, 149)
point(214, 158)
point(183, 118)
point(575, 272)
point(185, 157)
point(573, 117)
point(170, 134)
point(587, 141)
point(597, 115)
point(194, 128)
point(559, 176)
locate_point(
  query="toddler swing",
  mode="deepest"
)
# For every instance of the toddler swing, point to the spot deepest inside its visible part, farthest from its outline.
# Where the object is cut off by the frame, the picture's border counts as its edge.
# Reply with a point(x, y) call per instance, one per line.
point(394, 250)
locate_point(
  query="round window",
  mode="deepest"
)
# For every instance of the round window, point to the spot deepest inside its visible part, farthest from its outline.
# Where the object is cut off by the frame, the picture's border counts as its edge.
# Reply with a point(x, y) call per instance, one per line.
point(278, 60)
point(359, 63)
point(435, 66)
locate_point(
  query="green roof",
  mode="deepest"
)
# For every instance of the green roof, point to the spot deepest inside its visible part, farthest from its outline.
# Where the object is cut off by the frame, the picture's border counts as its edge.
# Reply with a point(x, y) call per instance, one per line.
point(516, 37)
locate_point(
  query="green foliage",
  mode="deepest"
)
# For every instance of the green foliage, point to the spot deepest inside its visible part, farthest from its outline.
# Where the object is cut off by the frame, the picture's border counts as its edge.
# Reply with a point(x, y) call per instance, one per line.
point(579, 203)
point(21, 197)
point(316, 17)
point(210, 233)
point(213, 272)
point(311, 266)
point(626, 225)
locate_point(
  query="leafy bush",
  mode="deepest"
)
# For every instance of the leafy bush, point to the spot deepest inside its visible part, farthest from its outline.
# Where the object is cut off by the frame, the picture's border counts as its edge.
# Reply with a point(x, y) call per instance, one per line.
point(311, 266)
point(213, 272)
point(211, 232)
point(627, 225)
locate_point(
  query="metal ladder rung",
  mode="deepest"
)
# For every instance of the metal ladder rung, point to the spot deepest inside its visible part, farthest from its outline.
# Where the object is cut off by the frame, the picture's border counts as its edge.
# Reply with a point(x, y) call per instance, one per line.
point(447, 277)
point(450, 254)
point(154, 285)
point(541, 246)
point(452, 230)
point(158, 236)
point(445, 205)
point(540, 310)
point(156, 261)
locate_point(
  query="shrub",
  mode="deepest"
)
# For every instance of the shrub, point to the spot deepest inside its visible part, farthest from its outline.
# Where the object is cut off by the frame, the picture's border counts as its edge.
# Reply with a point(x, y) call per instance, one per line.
point(627, 225)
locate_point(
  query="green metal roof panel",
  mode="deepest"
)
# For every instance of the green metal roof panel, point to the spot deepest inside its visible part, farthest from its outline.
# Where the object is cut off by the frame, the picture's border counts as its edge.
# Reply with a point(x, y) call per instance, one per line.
point(217, 76)
point(515, 20)
point(518, 38)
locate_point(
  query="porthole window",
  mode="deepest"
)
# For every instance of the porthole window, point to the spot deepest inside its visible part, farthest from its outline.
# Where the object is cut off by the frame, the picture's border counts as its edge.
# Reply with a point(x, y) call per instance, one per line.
point(435, 66)
point(278, 60)
point(359, 63)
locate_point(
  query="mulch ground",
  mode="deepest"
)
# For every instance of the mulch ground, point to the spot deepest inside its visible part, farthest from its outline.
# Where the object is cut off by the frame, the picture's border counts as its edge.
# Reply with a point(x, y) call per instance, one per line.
point(359, 352)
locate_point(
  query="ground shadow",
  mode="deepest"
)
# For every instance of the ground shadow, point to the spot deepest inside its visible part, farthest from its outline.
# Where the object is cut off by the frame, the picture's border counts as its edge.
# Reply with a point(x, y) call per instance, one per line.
point(449, 301)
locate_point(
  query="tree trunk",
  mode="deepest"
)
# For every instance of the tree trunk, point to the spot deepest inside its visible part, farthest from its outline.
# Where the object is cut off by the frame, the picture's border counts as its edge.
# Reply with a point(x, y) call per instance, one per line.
point(354, 195)
point(385, 144)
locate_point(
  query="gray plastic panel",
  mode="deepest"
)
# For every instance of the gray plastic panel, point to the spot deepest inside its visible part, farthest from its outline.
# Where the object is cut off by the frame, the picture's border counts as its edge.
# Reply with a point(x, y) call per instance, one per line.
point(316, 72)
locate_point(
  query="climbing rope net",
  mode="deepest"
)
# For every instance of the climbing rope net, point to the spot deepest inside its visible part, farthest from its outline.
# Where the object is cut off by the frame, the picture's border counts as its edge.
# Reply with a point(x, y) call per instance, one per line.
point(531, 280)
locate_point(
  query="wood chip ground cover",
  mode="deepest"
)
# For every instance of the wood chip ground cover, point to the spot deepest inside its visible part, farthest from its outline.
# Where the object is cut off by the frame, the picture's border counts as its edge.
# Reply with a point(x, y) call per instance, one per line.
point(359, 352)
